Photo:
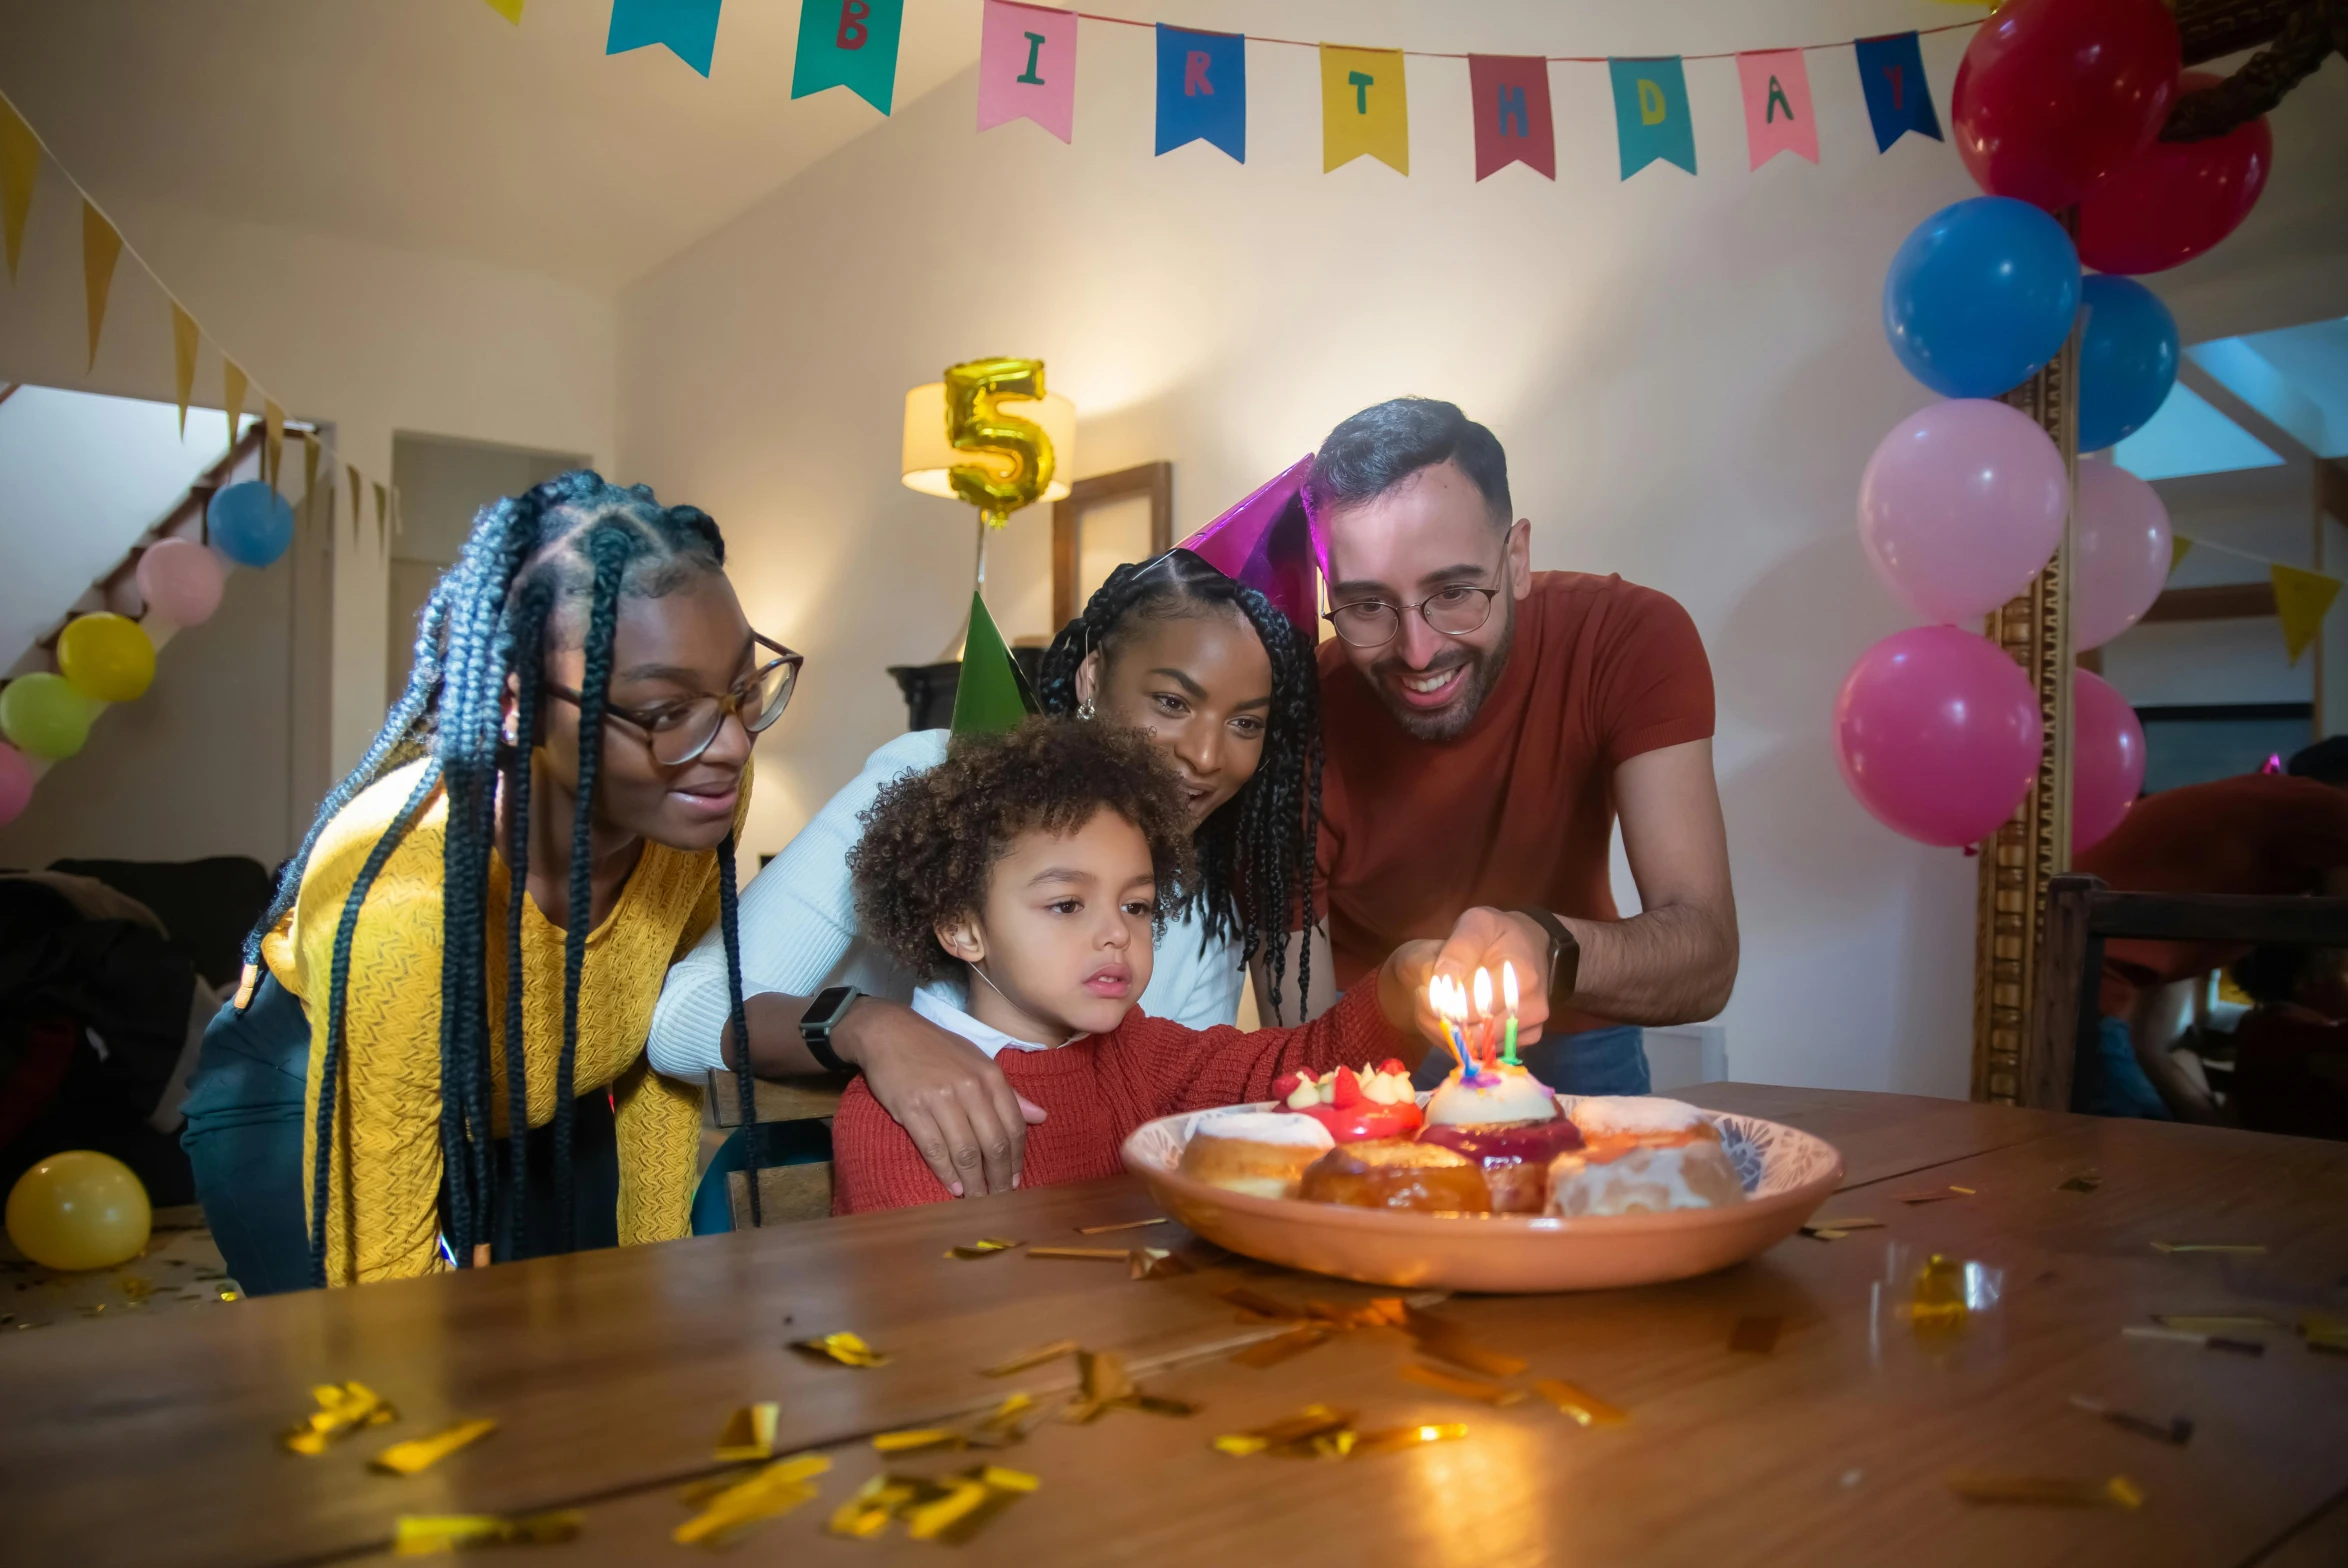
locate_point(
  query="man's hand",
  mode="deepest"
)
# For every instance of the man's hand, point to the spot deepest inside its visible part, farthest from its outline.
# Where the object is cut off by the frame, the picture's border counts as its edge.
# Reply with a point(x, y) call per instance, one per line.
point(947, 1094)
point(1486, 939)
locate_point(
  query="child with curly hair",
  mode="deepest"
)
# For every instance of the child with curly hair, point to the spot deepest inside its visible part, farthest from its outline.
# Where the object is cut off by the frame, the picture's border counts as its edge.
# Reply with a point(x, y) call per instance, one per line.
point(1036, 863)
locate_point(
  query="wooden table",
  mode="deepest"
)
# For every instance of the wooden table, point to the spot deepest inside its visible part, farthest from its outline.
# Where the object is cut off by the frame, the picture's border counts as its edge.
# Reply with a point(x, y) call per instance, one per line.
point(610, 1373)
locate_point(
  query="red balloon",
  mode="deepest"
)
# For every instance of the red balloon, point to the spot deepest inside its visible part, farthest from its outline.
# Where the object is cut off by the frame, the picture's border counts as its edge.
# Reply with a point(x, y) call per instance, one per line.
point(2107, 759)
point(2056, 96)
point(2175, 200)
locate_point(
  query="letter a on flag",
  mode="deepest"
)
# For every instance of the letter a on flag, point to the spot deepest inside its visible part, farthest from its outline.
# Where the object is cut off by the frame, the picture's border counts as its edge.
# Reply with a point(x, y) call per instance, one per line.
point(1651, 117)
point(851, 44)
point(1027, 67)
point(1202, 90)
point(1891, 71)
point(1510, 94)
point(1777, 105)
point(1363, 109)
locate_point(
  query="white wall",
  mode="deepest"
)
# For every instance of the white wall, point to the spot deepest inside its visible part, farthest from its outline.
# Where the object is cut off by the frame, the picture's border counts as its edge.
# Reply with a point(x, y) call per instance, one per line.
point(1688, 375)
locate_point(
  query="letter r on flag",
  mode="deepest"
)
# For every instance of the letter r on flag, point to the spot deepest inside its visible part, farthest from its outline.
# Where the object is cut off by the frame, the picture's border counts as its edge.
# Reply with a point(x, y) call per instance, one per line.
point(1194, 75)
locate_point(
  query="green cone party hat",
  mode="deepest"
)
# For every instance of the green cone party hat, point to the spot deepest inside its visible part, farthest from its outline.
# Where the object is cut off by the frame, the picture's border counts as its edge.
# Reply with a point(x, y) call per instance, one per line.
point(993, 694)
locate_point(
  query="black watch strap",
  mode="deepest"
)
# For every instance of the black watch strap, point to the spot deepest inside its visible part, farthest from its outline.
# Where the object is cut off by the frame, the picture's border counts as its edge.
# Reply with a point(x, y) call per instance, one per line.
point(1565, 955)
point(822, 1016)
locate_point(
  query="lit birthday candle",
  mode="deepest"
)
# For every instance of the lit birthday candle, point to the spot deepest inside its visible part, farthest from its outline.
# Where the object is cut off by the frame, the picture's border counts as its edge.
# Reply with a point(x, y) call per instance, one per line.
point(1483, 1014)
point(1508, 997)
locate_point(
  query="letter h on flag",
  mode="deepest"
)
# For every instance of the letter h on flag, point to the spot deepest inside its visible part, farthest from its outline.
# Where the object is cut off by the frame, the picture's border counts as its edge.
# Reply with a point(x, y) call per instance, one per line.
point(1891, 71)
point(1511, 98)
point(1202, 90)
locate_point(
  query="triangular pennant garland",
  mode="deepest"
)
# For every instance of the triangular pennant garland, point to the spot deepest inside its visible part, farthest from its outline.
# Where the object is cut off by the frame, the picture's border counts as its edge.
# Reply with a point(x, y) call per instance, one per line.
point(273, 443)
point(851, 44)
point(1651, 118)
point(232, 392)
point(101, 248)
point(1027, 67)
point(687, 27)
point(2301, 598)
point(1364, 109)
point(992, 693)
point(1777, 105)
point(351, 472)
point(20, 167)
point(382, 514)
point(186, 337)
point(310, 455)
point(511, 10)
point(1510, 94)
point(1899, 100)
point(2178, 545)
point(1202, 90)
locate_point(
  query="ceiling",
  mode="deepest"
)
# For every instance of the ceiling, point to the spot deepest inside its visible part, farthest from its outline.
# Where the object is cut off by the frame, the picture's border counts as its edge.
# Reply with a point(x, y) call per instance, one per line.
point(436, 125)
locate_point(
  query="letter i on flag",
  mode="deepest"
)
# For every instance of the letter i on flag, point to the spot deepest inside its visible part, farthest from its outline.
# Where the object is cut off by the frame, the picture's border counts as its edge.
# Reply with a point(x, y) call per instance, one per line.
point(1363, 108)
point(1511, 98)
point(687, 27)
point(1777, 105)
point(1027, 67)
point(851, 44)
point(1651, 117)
point(1891, 71)
point(1202, 90)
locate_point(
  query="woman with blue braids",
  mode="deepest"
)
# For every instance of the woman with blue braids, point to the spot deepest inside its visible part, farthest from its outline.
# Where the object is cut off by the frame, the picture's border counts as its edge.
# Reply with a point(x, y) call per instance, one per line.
point(437, 1059)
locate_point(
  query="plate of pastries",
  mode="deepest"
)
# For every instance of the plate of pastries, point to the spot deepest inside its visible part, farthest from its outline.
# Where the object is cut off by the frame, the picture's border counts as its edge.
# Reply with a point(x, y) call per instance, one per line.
point(1491, 1182)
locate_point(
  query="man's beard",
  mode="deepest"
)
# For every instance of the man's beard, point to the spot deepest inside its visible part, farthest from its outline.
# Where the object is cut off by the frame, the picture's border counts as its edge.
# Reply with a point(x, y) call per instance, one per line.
point(1483, 673)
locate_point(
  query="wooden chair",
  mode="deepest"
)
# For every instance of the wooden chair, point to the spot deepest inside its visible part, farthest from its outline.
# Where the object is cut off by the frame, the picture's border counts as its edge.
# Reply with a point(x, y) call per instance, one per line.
point(2082, 913)
point(799, 1190)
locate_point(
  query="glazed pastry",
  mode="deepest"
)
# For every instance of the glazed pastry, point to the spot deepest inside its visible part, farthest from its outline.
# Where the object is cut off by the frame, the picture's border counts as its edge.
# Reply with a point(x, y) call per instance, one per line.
point(1642, 1155)
point(1515, 1157)
point(1495, 1094)
point(1397, 1174)
point(1261, 1153)
point(1636, 1116)
point(1376, 1102)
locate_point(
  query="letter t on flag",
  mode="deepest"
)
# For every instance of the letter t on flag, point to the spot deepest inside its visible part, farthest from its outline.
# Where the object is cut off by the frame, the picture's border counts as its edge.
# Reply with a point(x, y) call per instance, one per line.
point(1510, 94)
point(1202, 90)
point(1777, 105)
point(1363, 108)
point(851, 44)
point(1651, 118)
point(1027, 67)
point(1891, 71)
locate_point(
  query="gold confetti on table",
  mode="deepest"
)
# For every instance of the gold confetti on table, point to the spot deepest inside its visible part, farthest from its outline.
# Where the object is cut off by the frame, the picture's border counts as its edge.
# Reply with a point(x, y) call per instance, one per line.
point(1579, 1403)
point(1932, 1195)
point(749, 1434)
point(1005, 1425)
point(2055, 1490)
point(2083, 1181)
point(849, 1350)
point(2324, 1332)
point(767, 1493)
point(2216, 1322)
point(1262, 1308)
point(2209, 1246)
point(1082, 1254)
point(1756, 1335)
point(1837, 1229)
point(1155, 1263)
point(1031, 1358)
point(343, 1408)
point(419, 1454)
point(2179, 1336)
point(984, 1247)
point(1464, 1387)
point(950, 1509)
point(1108, 1386)
point(136, 1286)
point(1446, 1340)
point(1282, 1347)
point(1313, 1432)
point(429, 1535)
point(1103, 1230)
point(1392, 1439)
point(2177, 1430)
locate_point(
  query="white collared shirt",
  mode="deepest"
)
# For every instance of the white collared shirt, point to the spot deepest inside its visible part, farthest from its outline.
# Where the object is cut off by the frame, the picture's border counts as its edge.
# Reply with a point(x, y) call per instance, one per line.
point(937, 1003)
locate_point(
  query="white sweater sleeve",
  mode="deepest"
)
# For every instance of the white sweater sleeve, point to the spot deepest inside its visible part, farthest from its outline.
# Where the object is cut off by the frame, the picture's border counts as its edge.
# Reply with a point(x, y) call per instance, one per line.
point(798, 920)
point(1197, 989)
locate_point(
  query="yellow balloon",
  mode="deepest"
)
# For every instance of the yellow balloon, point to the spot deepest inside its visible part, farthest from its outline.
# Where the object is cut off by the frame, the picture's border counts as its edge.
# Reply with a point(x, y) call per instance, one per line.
point(79, 1210)
point(975, 424)
point(106, 656)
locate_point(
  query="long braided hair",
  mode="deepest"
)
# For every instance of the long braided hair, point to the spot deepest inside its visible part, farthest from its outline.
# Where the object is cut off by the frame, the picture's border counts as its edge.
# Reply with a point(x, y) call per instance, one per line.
point(530, 566)
point(1256, 851)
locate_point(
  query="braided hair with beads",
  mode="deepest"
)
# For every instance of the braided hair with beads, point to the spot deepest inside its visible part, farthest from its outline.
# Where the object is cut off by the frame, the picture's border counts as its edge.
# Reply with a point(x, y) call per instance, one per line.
point(1256, 850)
point(530, 564)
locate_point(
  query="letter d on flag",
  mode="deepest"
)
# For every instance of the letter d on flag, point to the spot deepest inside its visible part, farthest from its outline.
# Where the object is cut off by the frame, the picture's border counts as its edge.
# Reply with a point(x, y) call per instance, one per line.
point(1651, 118)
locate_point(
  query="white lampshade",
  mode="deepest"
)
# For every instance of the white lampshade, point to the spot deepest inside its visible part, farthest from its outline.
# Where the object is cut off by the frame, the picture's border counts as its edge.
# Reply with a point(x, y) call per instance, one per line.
point(927, 455)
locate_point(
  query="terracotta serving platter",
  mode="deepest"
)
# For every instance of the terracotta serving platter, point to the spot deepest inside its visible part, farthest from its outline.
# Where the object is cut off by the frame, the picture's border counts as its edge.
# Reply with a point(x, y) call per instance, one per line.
point(1787, 1174)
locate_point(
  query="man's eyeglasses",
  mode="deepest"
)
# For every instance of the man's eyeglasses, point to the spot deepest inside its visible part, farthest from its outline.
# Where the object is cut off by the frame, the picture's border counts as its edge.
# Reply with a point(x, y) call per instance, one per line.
point(680, 731)
point(1372, 623)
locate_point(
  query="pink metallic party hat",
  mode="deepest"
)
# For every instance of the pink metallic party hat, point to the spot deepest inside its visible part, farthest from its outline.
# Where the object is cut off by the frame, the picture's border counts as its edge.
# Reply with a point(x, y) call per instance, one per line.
point(1271, 541)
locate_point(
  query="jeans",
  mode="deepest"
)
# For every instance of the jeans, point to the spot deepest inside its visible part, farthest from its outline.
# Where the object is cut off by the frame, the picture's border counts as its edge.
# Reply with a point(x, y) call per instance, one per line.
point(1595, 1061)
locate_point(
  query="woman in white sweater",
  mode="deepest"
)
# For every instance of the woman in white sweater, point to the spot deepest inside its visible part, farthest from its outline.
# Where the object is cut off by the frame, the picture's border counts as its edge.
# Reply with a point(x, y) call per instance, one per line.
point(1204, 665)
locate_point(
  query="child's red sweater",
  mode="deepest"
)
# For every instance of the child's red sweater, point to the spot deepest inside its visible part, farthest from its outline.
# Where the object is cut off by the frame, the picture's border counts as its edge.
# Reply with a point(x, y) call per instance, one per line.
point(1098, 1089)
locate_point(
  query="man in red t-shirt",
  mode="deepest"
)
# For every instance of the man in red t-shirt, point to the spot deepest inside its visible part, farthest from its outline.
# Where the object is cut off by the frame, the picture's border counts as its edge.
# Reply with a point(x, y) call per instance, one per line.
point(1484, 725)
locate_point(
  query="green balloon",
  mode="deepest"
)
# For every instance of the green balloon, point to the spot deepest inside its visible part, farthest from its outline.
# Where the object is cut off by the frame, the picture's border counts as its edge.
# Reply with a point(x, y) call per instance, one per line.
point(43, 716)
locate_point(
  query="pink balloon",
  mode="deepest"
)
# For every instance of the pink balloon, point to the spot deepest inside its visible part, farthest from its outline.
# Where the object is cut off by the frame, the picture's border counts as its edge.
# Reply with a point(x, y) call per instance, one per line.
point(180, 580)
point(2107, 759)
point(1938, 734)
point(1960, 506)
point(2119, 553)
point(16, 784)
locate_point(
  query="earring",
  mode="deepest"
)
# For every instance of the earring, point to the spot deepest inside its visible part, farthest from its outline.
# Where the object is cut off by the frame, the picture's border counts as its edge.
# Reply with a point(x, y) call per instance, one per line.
point(1084, 710)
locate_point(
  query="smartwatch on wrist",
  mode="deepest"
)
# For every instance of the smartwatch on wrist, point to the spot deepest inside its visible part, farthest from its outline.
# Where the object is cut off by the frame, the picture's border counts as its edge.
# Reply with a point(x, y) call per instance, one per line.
point(1565, 955)
point(823, 1015)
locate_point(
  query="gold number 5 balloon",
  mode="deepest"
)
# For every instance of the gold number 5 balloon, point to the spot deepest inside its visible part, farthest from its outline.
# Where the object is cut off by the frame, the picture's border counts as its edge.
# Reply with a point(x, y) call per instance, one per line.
point(975, 423)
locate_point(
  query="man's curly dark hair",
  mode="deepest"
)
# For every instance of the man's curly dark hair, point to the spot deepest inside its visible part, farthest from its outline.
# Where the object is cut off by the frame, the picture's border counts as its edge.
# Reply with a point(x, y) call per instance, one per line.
point(931, 840)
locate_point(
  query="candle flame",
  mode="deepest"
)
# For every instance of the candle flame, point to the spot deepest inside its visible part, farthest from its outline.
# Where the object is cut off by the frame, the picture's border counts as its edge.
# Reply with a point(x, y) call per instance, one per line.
point(1483, 992)
point(1508, 985)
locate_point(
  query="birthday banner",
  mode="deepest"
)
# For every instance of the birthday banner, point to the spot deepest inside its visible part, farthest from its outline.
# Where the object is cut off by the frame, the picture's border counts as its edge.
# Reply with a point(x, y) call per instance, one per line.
point(1027, 71)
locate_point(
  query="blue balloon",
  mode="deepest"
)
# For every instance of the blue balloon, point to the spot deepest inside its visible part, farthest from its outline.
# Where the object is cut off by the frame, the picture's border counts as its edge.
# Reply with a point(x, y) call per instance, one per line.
point(251, 523)
point(2127, 359)
point(1980, 296)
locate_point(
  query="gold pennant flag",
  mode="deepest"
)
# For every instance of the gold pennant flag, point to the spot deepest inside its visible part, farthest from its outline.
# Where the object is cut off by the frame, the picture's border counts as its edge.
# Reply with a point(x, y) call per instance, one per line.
point(232, 391)
point(382, 510)
point(185, 337)
point(511, 10)
point(273, 451)
point(399, 518)
point(351, 470)
point(20, 166)
point(2179, 547)
point(101, 248)
point(310, 453)
point(1363, 109)
point(2301, 598)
